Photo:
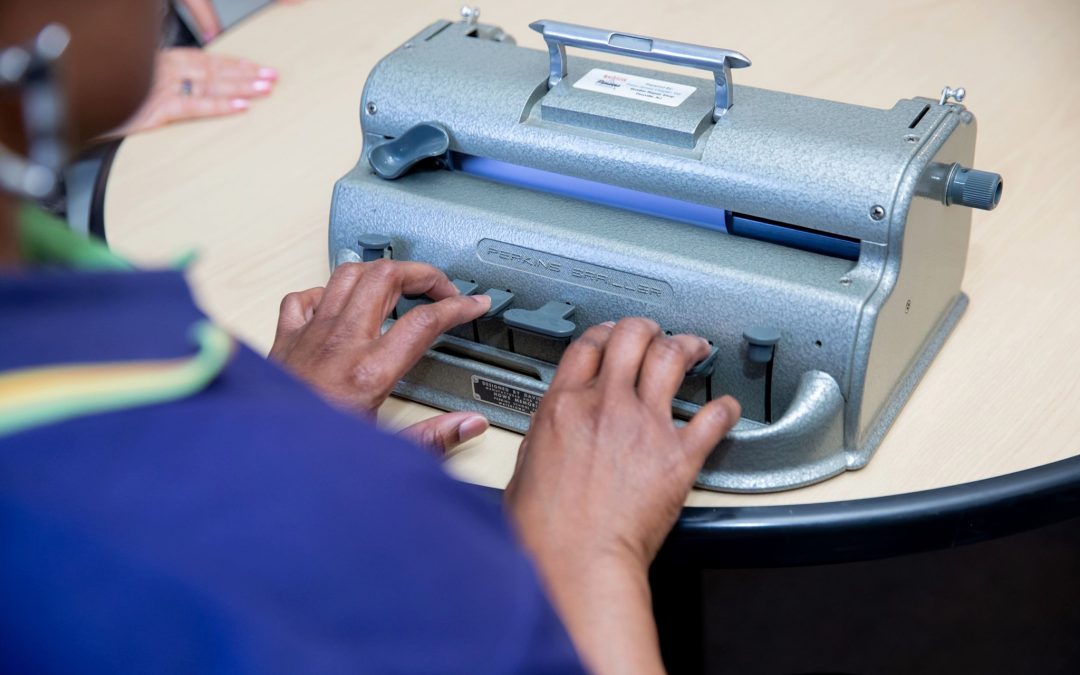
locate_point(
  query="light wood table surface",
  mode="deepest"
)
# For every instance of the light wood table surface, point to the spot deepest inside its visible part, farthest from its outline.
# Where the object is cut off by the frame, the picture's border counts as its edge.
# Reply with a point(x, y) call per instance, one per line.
point(252, 194)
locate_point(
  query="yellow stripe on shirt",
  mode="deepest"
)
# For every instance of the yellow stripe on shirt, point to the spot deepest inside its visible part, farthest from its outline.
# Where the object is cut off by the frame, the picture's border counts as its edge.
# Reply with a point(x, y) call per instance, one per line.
point(37, 396)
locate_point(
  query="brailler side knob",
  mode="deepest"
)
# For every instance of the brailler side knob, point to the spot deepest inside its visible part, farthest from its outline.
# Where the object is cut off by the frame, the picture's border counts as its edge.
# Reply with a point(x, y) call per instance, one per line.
point(977, 189)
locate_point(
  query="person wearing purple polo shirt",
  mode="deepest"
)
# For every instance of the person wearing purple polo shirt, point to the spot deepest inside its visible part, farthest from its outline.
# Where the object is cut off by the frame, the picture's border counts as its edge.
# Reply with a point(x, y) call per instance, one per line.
point(170, 501)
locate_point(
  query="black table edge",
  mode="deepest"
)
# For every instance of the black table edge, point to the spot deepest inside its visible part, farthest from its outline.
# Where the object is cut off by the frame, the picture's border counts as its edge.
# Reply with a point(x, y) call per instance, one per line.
point(878, 527)
point(863, 529)
point(107, 151)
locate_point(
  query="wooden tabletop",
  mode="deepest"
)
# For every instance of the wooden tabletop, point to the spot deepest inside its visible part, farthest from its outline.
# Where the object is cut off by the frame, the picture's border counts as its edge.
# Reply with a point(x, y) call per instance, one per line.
point(252, 194)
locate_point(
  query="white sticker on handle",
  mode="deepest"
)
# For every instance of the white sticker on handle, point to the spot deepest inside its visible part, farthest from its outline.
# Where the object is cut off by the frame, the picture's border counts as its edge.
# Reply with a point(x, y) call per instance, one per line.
point(632, 86)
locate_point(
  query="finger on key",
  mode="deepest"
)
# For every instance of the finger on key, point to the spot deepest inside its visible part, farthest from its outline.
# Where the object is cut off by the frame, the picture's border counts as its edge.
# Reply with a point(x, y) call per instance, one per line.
point(581, 361)
point(666, 363)
point(625, 352)
point(385, 281)
point(373, 288)
point(413, 334)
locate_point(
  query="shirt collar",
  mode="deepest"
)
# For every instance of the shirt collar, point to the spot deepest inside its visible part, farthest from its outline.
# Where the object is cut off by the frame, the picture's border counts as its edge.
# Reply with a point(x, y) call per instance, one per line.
point(46, 240)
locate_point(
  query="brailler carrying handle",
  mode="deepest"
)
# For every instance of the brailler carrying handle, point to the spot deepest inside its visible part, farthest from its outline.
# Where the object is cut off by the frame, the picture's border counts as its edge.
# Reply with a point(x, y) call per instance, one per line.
point(559, 36)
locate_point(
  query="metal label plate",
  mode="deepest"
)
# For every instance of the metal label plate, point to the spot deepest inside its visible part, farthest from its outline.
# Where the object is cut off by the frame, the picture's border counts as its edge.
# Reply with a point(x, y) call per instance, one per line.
point(504, 395)
point(575, 272)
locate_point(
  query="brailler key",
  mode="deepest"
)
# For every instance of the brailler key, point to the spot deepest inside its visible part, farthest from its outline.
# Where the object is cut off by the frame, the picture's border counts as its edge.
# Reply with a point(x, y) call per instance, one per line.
point(706, 365)
point(704, 368)
point(500, 300)
point(550, 320)
point(465, 287)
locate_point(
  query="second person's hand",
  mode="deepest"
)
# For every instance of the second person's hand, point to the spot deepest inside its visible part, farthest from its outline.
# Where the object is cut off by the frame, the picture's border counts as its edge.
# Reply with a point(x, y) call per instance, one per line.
point(192, 84)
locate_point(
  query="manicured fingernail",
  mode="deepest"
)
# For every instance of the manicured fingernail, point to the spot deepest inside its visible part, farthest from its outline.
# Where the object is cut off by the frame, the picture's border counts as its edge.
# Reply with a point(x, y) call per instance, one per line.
point(240, 104)
point(268, 73)
point(471, 428)
point(609, 324)
point(262, 86)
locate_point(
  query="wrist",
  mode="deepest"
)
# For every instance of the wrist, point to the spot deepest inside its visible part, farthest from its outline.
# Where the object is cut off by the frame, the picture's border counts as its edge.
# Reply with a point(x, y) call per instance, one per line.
point(605, 603)
point(574, 566)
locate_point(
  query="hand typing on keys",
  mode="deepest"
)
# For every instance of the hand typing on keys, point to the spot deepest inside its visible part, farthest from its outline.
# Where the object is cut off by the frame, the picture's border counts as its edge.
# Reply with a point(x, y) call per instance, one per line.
point(601, 477)
point(602, 473)
point(332, 338)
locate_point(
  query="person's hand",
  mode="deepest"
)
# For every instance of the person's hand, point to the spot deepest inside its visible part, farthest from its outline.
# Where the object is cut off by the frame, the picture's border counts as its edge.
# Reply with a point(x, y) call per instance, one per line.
point(191, 84)
point(205, 17)
point(603, 467)
point(601, 478)
point(332, 338)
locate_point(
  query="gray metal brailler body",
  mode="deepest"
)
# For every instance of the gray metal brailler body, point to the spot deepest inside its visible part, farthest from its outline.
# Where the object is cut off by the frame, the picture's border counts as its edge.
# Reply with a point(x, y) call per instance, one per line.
point(511, 204)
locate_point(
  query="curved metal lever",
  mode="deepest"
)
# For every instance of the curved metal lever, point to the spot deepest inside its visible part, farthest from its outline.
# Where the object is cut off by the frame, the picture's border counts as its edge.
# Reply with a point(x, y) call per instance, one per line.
point(802, 447)
point(559, 36)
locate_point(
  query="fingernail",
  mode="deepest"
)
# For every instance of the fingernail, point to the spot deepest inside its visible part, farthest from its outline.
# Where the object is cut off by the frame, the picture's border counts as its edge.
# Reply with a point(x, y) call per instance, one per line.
point(240, 104)
point(268, 73)
point(609, 324)
point(262, 86)
point(471, 428)
point(209, 35)
point(484, 300)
